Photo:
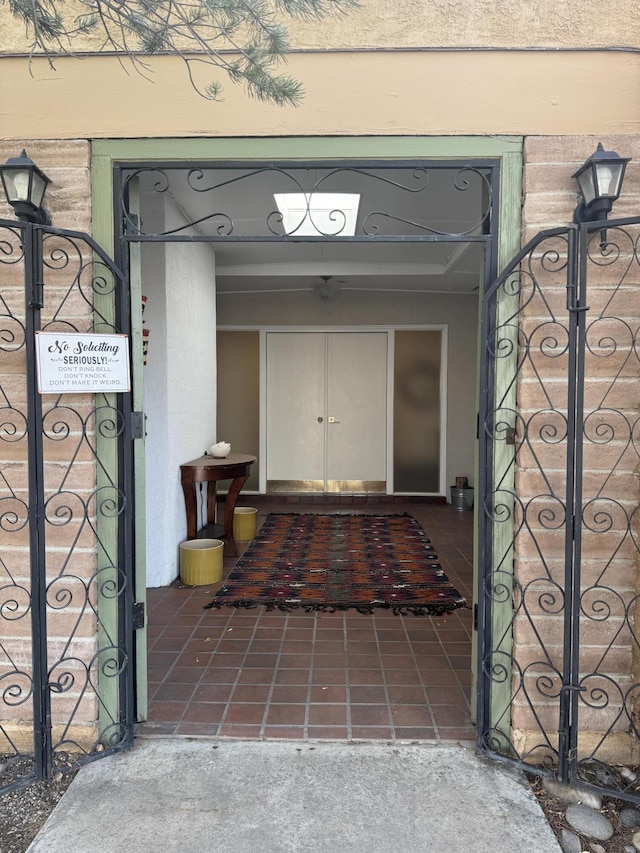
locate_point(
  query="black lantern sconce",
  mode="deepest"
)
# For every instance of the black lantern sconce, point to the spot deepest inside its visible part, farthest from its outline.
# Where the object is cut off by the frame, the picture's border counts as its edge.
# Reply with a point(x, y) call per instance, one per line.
point(600, 182)
point(24, 187)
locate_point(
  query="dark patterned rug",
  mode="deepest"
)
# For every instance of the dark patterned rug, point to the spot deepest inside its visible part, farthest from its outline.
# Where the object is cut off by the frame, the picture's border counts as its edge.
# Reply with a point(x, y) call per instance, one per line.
point(335, 562)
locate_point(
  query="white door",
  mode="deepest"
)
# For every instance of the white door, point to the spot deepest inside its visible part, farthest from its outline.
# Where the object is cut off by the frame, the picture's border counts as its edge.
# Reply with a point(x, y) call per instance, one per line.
point(326, 411)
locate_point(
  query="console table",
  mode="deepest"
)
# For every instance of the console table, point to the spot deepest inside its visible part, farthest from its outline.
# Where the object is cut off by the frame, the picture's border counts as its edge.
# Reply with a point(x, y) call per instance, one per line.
point(208, 469)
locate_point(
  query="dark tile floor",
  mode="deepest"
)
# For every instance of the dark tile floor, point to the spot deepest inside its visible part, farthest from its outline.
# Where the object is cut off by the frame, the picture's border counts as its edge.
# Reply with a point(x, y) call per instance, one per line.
point(339, 676)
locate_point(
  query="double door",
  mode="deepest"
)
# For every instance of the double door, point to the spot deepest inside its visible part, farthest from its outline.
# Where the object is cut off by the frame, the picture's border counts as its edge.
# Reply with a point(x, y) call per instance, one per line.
point(326, 411)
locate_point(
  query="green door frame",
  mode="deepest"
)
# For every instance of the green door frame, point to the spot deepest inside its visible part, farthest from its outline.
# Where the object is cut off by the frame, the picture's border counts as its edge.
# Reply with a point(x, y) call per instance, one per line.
point(105, 153)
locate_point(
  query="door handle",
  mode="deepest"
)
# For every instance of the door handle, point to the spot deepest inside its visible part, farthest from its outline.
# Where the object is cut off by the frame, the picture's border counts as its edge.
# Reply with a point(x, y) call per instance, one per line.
point(333, 420)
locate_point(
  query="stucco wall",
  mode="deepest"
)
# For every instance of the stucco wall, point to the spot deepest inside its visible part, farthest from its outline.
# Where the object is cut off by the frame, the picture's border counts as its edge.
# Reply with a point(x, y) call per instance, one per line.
point(180, 376)
point(407, 23)
point(180, 383)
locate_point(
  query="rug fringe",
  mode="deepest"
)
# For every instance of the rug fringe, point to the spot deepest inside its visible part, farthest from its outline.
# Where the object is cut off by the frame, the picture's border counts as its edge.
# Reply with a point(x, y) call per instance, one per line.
point(369, 610)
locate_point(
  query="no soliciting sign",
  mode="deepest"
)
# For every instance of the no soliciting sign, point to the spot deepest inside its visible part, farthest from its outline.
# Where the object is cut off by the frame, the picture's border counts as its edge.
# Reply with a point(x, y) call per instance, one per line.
point(76, 363)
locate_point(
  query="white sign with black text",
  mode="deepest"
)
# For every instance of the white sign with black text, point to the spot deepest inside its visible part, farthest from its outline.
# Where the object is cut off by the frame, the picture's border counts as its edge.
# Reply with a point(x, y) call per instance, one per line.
point(78, 363)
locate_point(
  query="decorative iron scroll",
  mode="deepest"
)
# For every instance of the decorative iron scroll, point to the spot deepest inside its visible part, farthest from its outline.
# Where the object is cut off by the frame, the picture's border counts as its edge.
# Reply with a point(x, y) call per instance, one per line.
point(230, 193)
point(560, 527)
point(64, 510)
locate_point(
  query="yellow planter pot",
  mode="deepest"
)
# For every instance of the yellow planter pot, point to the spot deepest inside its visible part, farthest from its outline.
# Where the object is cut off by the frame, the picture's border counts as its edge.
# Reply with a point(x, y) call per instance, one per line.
point(201, 561)
point(244, 523)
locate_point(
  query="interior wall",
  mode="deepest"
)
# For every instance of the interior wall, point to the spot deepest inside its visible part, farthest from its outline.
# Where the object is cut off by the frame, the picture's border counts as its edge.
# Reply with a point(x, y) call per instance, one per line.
point(179, 385)
point(353, 308)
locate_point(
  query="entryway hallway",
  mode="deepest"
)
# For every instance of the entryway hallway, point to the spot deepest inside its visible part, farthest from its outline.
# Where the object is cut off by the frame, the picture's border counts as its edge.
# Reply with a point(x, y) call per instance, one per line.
point(316, 676)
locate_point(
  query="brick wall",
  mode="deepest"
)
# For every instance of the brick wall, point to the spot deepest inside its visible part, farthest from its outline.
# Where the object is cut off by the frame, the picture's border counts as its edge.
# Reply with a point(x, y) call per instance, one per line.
point(69, 470)
point(611, 484)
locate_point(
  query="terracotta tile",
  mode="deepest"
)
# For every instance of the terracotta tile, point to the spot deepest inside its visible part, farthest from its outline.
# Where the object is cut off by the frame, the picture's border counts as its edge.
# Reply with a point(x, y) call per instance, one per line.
point(286, 715)
point(246, 714)
point(284, 732)
point(198, 729)
point(328, 693)
point(327, 733)
point(329, 649)
point(371, 695)
point(371, 733)
point(289, 694)
point(292, 676)
point(235, 730)
point(185, 674)
point(369, 715)
point(162, 659)
point(299, 635)
point(397, 662)
point(255, 676)
point(415, 733)
point(460, 661)
point(215, 675)
point(411, 715)
point(445, 677)
point(265, 635)
point(401, 676)
point(403, 694)
point(451, 715)
point(295, 661)
point(166, 712)
point(322, 661)
point(204, 712)
point(328, 677)
point(194, 660)
point(446, 696)
point(251, 693)
point(259, 661)
point(156, 673)
point(174, 692)
point(327, 715)
point(364, 661)
point(365, 676)
point(221, 660)
point(223, 646)
point(212, 693)
point(268, 647)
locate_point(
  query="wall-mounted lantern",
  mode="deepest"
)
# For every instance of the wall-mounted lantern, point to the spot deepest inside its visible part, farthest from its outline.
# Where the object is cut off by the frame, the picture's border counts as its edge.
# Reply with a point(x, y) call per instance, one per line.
point(600, 182)
point(24, 187)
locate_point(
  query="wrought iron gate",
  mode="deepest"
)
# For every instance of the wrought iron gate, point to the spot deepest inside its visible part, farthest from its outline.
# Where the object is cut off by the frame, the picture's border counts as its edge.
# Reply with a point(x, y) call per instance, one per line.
point(66, 682)
point(559, 651)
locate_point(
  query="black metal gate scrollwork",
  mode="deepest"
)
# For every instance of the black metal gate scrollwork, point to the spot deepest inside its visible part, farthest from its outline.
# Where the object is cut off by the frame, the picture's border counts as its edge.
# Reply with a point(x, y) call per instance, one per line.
point(65, 515)
point(559, 548)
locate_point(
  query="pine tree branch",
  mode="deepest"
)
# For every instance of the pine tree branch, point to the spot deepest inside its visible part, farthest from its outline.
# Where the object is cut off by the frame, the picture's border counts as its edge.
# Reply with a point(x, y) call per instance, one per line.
point(245, 39)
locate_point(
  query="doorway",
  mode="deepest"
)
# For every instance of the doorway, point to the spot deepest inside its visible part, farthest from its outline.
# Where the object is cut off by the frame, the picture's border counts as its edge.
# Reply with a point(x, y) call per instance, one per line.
point(326, 411)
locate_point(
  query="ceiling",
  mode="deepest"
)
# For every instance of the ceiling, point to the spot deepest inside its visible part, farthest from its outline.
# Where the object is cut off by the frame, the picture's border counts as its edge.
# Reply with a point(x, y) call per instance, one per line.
point(394, 203)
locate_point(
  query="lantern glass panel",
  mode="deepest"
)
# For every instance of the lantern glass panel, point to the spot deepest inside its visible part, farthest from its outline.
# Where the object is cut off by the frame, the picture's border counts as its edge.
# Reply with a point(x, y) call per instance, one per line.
point(587, 185)
point(16, 182)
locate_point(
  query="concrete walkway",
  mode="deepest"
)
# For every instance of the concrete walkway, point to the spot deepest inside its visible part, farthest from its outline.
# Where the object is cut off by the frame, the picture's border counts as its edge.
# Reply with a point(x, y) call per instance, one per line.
point(273, 797)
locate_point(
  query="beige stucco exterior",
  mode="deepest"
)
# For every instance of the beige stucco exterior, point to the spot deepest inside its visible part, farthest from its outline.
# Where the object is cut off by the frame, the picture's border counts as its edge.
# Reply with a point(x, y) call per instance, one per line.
point(411, 93)
point(443, 23)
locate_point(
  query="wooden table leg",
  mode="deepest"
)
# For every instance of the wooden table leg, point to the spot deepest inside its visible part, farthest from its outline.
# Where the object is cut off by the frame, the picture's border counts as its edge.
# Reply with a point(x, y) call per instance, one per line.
point(211, 501)
point(189, 491)
point(230, 505)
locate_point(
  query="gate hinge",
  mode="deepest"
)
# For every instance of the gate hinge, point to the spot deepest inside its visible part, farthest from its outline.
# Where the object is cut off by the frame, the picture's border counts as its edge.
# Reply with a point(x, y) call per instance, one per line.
point(137, 425)
point(475, 617)
point(138, 615)
point(37, 295)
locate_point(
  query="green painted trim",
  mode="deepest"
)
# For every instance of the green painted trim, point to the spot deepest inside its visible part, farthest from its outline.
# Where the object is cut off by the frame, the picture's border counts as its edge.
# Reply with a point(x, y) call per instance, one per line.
point(503, 467)
point(303, 148)
point(508, 149)
point(508, 246)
